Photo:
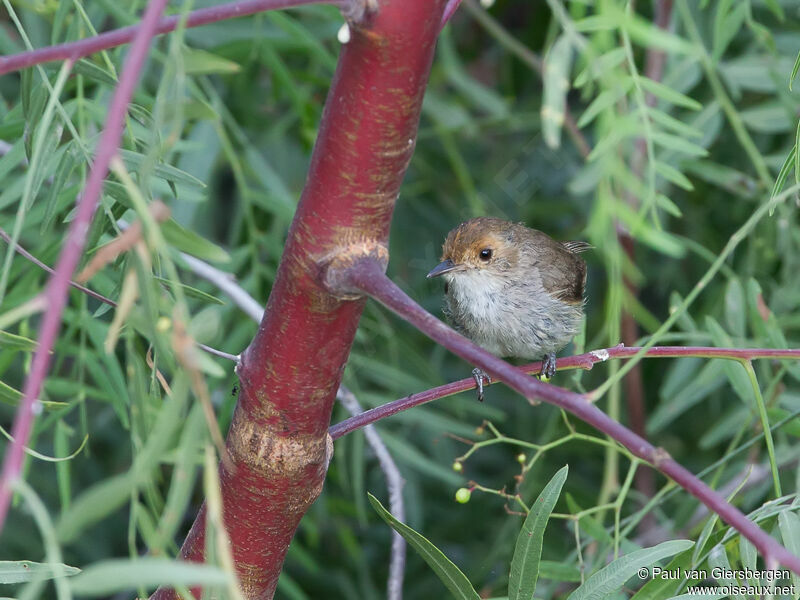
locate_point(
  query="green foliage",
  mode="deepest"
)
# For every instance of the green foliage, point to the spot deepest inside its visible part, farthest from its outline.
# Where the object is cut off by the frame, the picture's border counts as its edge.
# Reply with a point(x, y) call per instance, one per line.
point(697, 162)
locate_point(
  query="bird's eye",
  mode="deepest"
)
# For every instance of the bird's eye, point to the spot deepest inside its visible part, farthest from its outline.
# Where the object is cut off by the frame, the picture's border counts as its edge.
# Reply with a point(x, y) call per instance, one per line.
point(486, 254)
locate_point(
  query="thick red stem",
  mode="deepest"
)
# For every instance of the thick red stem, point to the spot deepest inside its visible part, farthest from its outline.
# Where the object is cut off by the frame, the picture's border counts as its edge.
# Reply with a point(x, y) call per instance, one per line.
point(289, 375)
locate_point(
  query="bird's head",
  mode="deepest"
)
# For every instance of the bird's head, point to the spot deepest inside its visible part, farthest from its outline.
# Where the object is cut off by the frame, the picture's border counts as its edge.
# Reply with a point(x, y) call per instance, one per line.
point(478, 246)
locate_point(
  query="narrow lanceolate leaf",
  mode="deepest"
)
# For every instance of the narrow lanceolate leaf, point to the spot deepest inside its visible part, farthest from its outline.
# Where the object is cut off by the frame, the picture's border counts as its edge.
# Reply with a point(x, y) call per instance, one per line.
point(22, 571)
point(782, 175)
point(612, 577)
point(528, 552)
point(789, 524)
point(668, 94)
point(110, 576)
point(795, 68)
point(797, 155)
point(17, 342)
point(556, 85)
point(672, 174)
point(449, 573)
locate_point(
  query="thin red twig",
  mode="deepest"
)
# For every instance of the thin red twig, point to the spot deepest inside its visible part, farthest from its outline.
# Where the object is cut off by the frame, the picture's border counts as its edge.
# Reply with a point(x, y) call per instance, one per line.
point(579, 361)
point(56, 292)
point(367, 276)
point(118, 37)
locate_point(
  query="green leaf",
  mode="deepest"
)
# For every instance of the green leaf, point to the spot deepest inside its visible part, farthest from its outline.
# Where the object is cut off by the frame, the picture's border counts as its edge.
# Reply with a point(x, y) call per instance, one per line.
point(66, 165)
point(555, 80)
point(734, 370)
point(596, 23)
point(612, 577)
point(735, 308)
point(134, 160)
point(795, 68)
point(648, 35)
point(668, 94)
point(780, 180)
point(528, 551)
point(727, 24)
point(556, 571)
point(188, 241)
point(768, 117)
point(673, 142)
point(449, 573)
point(22, 571)
point(95, 72)
point(718, 558)
point(18, 342)
point(672, 174)
point(9, 395)
point(789, 525)
point(796, 156)
point(670, 122)
point(600, 66)
point(749, 553)
point(710, 378)
point(604, 100)
point(776, 9)
point(657, 588)
point(201, 62)
point(110, 576)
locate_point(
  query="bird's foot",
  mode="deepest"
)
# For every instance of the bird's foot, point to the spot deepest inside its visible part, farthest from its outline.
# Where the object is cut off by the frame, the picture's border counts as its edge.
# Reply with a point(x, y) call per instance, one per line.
point(548, 367)
point(479, 375)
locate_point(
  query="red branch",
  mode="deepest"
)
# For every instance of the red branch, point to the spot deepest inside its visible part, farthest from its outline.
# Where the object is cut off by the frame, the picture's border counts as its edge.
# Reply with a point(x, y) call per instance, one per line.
point(117, 37)
point(56, 293)
point(289, 375)
point(367, 276)
point(579, 361)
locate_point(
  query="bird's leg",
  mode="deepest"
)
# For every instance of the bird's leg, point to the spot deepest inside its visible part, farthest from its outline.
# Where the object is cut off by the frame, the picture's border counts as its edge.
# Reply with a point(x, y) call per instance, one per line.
point(548, 366)
point(479, 375)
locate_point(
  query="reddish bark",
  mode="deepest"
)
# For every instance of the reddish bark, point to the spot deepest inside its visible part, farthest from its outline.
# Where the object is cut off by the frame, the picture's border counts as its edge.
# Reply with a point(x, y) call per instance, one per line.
point(290, 373)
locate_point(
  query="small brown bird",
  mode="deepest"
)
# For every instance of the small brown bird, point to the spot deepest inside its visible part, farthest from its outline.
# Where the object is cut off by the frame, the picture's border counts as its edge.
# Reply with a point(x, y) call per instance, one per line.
point(512, 290)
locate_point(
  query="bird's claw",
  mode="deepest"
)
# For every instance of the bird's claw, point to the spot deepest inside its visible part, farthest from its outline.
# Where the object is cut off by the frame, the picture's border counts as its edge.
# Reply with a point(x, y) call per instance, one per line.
point(548, 367)
point(479, 375)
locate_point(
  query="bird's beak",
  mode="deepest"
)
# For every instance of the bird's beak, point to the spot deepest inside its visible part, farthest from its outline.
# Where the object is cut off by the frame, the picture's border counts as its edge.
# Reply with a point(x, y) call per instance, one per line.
point(443, 267)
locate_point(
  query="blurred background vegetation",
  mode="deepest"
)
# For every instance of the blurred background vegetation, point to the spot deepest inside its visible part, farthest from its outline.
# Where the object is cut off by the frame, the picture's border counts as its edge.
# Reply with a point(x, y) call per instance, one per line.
point(222, 128)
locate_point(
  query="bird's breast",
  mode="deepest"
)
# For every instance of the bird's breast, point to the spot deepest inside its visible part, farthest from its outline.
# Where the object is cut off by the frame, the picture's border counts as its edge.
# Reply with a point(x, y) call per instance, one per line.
point(510, 318)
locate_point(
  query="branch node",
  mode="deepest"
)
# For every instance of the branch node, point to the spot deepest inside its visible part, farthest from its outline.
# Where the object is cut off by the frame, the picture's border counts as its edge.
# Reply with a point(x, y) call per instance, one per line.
point(335, 267)
point(660, 456)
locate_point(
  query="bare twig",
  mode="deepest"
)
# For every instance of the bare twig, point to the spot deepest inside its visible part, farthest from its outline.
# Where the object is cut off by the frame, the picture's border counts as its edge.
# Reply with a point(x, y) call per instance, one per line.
point(394, 483)
point(367, 276)
point(227, 283)
point(56, 293)
point(579, 361)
